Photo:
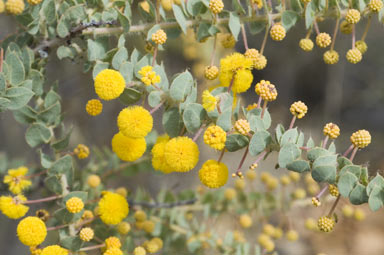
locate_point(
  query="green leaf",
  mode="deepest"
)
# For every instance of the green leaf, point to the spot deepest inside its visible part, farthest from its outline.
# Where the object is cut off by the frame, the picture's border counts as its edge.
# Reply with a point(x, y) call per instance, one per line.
point(71, 16)
point(279, 132)
point(181, 86)
point(126, 70)
point(236, 142)
point(130, 96)
point(288, 153)
point(256, 27)
point(289, 19)
point(37, 81)
point(3, 83)
point(255, 120)
point(224, 120)
point(49, 11)
point(62, 143)
point(353, 169)
point(172, 122)
point(119, 58)
point(109, 15)
point(290, 136)
point(298, 166)
point(16, 68)
point(193, 116)
point(324, 173)
point(65, 52)
point(195, 7)
point(377, 182)
point(124, 21)
point(72, 243)
point(206, 30)
point(100, 66)
point(346, 183)
point(309, 15)
point(296, 6)
point(259, 141)
point(62, 165)
point(234, 24)
point(154, 98)
point(37, 134)
point(358, 195)
point(53, 184)
point(180, 18)
point(50, 114)
point(80, 194)
point(376, 198)
point(316, 152)
point(342, 162)
point(96, 50)
point(25, 115)
point(164, 84)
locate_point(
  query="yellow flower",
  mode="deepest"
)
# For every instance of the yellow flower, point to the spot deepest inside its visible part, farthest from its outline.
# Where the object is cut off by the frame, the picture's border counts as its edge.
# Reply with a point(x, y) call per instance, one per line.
point(216, 6)
point(93, 180)
point(145, 6)
point(94, 107)
point(310, 224)
point(211, 72)
point(12, 207)
point(139, 251)
point(140, 215)
point(347, 211)
point(242, 126)
point(269, 229)
point(149, 77)
point(375, 5)
point(227, 40)
point(81, 151)
point(74, 205)
point(209, 101)
point(292, 235)
point(354, 56)
point(86, 234)
point(260, 62)
point(35, 250)
point(361, 46)
point(306, 44)
point(298, 109)
point(266, 90)
point(259, 3)
point(34, 2)
point(323, 40)
point(158, 157)
point(113, 208)
point(123, 228)
point(331, 57)
point(2, 6)
point(235, 69)
point(325, 224)
point(159, 37)
point(15, 7)
point(113, 251)
point(109, 84)
point(16, 180)
point(122, 191)
point(148, 226)
point(87, 215)
point(230, 193)
point(215, 137)
point(31, 231)
point(251, 107)
point(331, 130)
point(245, 221)
point(352, 16)
point(127, 148)
point(299, 193)
point(181, 154)
point(277, 32)
point(42, 214)
point(54, 250)
point(213, 174)
point(112, 242)
point(359, 214)
point(135, 122)
point(361, 138)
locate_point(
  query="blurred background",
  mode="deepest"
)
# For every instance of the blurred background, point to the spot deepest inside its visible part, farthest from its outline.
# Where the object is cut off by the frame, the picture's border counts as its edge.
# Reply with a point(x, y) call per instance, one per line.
point(351, 96)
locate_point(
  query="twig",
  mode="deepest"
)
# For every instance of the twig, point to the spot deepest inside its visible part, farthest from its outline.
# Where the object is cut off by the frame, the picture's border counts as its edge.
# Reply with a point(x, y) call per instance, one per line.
point(366, 28)
point(348, 150)
point(292, 122)
point(157, 107)
point(264, 40)
point(353, 36)
point(316, 26)
point(162, 205)
point(221, 155)
point(198, 133)
point(325, 141)
point(47, 199)
point(242, 161)
point(335, 34)
point(244, 34)
point(94, 247)
point(214, 50)
point(334, 206)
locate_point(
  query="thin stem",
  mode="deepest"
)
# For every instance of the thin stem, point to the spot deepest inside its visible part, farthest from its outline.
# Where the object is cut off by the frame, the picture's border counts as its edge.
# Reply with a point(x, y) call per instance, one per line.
point(325, 141)
point(348, 150)
point(155, 54)
point(263, 110)
point(242, 160)
point(94, 247)
point(292, 122)
point(214, 50)
point(157, 107)
point(353, 153)
point(260, 157)
point(231, 84)
point(57, 227)
point(322, 191)
point(316, 26)
point(334, 206)
point(198, 133)
point(244, 36)
point(366, 28)
point(259, 102)
point(42, 200)
point(221, 155)
point(264, 40)
point(335, 34)
point(309, 32)
point(353, 36)
point(36, 174)
point(158, 11)
point(1, 59)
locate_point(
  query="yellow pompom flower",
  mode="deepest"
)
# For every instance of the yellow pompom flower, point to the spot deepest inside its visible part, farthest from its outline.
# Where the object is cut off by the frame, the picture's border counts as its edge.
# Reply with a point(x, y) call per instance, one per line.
point(213, 174)
point(93, 180)
point(251, 54)
point(227, 40)
point(325, 224)
point(113, 208)
point(158, 157)
point(310, 224)
point(260, 63)
point(211, 72)
point(109, 84)
point(239, 184)
point(13, 207)
point(87, 214)
point(86, 234)
point(35, 251)
point(216, 6)
point(361, 138)
point(299, 193)
point(269, 229)
point(354, 56)
point(74, 205)
point(345, 27)
point(251, 175)
point(359, 214)
point(123, 228)
point(148, 226)
point(112, 242)
point(361, 46)
point(230, 193)
point(272, 183)
point(235, 71)
point(2, 6)
point(31, 231)
point(181, 154)
point(148, 76)
point(135, 122)
point(209, 101)
point(323, 40)
point(215, 137)
point(375, 5)
point(167, 5)
point(113, 251)
point(331, 130)
point(54, 250)
point(298, 109)
point(251, 107)
point(266, 90)
point(245, 221)
point(128, 148)
point(140, 215)
point(316, 202)
point(277, 32)
point(292, 235)
point(294, 176)
point(145, 6)
point(159, 37)
point(15, 7)
point(157, 241)
point(347, 211)
point(139, 251)
point(306, 44)
point(285, 180)
point(122, 191)
point(352, 16)
point(259, 3)
point(34, 2)
point(81, 151)
point(331, 57)
point(242, 126)
point(16, 180)
point(94, 107)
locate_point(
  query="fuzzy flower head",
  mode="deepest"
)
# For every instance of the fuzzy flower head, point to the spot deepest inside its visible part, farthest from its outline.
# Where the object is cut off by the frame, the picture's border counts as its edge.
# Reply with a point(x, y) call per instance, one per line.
point(323, 40)
point(81, 151)
point(216, 6)
point(242, 126)
point(113, 251)
point(215, 137)
point(260, 62)
point(245, 221)
point(123, 228)
point(277, 32)
point(375, 5)
point(235, 71)
point(251, 107)
point(16, 180)
point(306, 44)
point(361, 138)
point(54, 250)
point(298, 109)
point(148, 76)
point(266, 90)
point(13, 207)
point(251, 54)
point(159, 37)
point(127, 148)
point(135, 122)
point(213, 174)
point(325, 224)
point(331, 57)
point(181, 154)
point(113, 208)
point(331, 130)
point(15, 7)
point(211, 72)
point(74, 205)
point(139, 251)
point(2, 6)
point(352, 16)
point(345, 27)
point(354, 56)
point(112, 242)
point(209, 101)
point(361, 46)
point(31, 231)
point(34, 2)
point(109, 84)
point(94, 107)
point(158, 157)
point(228, 41)
point(86, 234)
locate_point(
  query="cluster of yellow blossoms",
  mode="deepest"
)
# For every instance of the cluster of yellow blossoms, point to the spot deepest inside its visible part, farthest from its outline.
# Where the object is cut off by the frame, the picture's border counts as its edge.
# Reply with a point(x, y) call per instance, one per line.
point(16, 7)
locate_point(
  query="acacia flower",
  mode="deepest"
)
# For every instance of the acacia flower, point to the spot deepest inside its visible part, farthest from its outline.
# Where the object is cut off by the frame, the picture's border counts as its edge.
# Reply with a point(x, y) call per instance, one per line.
point(32, 231)
point(113, 208)
point(209, 101)
point(213, 174)
point(16, 180)
point(13, 207)
point(148, 76)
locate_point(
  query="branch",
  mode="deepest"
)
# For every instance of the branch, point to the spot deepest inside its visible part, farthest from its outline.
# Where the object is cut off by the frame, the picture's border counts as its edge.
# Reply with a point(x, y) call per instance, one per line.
point(163, 205)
